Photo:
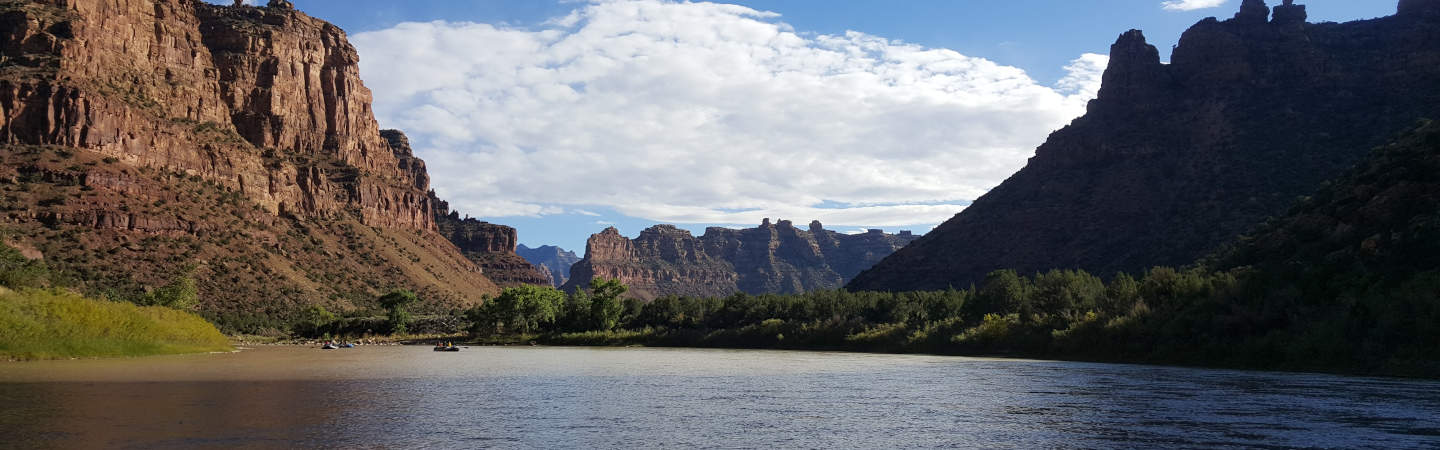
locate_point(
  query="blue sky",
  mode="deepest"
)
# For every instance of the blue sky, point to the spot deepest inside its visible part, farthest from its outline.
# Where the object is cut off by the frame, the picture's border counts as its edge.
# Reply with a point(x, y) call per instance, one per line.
point(1037, 35)
point(561, 118)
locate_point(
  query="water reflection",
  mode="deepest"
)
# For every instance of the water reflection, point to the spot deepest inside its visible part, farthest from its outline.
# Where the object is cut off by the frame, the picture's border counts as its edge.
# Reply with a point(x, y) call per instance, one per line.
point(599, 398)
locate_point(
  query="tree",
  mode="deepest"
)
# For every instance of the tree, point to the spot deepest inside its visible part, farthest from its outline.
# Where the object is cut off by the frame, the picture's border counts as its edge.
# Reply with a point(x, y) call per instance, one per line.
point(181, 293)
point(1063, 293)
point(397, 303)
point(17, 271)
point(1003, 292)
point(606, 306)
point(312, 320)
point(575, 314)
point(1121, 294)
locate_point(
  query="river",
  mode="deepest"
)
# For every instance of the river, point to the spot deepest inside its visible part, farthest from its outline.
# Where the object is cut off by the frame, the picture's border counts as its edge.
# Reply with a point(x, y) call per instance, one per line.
point(560, 397)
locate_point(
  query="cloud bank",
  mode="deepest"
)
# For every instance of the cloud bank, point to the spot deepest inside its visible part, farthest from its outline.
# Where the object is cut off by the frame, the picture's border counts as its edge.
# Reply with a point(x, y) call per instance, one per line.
point(1190, 5)
point(708, 113)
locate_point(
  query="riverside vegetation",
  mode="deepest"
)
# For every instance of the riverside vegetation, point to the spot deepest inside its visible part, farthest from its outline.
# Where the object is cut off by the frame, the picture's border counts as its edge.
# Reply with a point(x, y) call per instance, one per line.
point(1348, 280)
point(41, 320)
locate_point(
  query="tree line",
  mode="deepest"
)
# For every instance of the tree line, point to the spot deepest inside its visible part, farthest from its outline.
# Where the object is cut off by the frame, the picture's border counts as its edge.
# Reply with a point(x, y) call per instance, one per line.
point(1238, 318)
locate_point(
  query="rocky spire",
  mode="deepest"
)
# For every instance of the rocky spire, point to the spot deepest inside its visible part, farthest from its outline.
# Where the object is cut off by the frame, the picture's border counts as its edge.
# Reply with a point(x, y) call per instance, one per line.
point(1134, 67)
point(1253, 11)
point(281, 4)
point(816, 227)
point(1417, 8)
point(1289, 13)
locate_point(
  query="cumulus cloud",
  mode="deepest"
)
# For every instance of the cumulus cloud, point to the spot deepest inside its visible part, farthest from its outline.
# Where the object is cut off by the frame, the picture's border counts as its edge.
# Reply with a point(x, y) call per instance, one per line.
point(708, 113)
point(1190, 5)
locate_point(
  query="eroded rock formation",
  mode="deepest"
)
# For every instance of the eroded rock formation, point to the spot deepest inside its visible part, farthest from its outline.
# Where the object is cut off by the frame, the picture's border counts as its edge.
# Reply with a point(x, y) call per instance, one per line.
point(771, 258)
point(489, 245)
point(263, 107)
point(1174, 159)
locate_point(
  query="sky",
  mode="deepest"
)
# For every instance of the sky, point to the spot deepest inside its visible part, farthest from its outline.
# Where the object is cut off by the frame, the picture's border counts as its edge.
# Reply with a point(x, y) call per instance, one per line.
point(561, 118)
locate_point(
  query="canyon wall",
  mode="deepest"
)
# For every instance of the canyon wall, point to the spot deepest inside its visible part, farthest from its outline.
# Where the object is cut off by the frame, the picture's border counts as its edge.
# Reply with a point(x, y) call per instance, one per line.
point(490, 246)
point(126, 120)
point(771, 258)
point(1172, 160)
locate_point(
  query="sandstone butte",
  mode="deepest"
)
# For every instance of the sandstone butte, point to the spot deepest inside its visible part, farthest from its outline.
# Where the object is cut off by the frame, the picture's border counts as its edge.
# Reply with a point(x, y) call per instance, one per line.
point(771, 258)
point(1173, 160)
point(144, 138)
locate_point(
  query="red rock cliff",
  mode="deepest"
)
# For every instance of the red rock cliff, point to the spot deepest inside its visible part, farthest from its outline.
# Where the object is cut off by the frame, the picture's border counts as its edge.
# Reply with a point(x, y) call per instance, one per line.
point(489, 245)
point(771, 258)
point(164, 134)
point(266, 101)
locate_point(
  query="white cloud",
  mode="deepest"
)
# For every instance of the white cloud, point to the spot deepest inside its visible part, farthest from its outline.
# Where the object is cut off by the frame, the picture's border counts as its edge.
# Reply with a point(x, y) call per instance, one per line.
point(1083, 75)
point(1190, 5)
point(689, 112)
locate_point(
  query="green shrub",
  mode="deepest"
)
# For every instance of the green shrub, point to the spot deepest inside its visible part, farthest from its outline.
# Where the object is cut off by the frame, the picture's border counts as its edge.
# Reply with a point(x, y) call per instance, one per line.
point(397, 304)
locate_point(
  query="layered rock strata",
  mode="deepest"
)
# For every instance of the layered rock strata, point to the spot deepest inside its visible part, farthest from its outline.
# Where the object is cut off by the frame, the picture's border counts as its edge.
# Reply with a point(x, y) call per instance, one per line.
point(771, 258)
point(263, 106)
point(490, 246)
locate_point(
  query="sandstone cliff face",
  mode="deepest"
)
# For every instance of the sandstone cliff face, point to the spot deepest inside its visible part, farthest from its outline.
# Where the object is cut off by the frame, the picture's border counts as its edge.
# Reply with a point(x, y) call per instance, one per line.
point(552, 260)
point(490, 246)
point(772, 258)
point(1173, 160)
point(259, 106)
point(265, 101)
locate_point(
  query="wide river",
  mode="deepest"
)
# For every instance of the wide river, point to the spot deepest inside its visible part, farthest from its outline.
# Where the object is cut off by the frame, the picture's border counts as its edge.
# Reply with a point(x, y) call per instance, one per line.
point(559, 397)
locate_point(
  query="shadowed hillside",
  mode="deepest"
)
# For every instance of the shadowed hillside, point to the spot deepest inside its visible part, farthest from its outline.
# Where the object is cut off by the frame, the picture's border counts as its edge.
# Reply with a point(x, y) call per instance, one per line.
point(1172, 160)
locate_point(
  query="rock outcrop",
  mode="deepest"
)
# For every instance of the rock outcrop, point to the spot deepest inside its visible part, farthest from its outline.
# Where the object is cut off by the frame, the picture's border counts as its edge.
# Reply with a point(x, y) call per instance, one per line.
point(262, 107)
point(1172, 160)
point(490, 246)
point(552, 260)
point(772, 258)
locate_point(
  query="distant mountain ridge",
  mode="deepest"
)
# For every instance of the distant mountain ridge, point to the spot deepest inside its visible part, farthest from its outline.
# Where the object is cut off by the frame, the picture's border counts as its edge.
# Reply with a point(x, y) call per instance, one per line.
point(1173, 160)
point(554, 261)
point(771, 258)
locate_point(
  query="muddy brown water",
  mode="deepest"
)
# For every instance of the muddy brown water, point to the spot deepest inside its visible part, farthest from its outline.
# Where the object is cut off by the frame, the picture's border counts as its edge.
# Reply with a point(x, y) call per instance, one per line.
point(559, 397)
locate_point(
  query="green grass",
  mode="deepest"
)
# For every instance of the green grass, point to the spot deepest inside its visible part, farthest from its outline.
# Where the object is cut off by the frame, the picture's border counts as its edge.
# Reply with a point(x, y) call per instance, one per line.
point(55, 324)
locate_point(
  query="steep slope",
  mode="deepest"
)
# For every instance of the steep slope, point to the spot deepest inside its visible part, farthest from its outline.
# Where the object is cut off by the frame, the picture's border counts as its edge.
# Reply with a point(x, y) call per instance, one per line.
point(490, 246)
point(554, 261)
point(772, 258)
point(1378, 225)
point(1348, 278)
point(1174, 159)
point(144, 136)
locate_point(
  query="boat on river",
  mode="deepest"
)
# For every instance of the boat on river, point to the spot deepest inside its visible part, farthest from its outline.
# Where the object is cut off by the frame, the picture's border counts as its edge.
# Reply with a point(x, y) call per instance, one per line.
point(328, 346)
point(446, 348)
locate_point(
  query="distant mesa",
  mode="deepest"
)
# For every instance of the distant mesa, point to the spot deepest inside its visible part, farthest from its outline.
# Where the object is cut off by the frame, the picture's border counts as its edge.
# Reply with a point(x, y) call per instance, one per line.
point(771, 258)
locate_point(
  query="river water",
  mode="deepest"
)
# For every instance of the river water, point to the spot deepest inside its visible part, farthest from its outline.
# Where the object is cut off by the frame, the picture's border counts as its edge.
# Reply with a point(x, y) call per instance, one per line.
point(558, 397)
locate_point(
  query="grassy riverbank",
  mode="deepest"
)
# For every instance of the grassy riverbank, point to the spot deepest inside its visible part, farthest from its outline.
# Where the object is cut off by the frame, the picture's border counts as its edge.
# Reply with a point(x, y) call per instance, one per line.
point(55, 324)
